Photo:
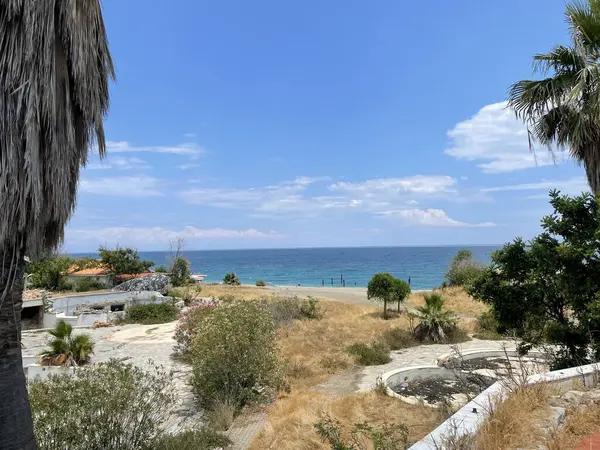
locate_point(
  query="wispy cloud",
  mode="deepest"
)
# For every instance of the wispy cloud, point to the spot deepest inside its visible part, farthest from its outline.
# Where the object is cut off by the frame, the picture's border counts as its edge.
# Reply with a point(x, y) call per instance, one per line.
point(119, 163)
point(429, 218)
point(136, 186)
point(186, 149)
point(572, 186)
point(152, 235)
point(497, 140)
point(188, 166)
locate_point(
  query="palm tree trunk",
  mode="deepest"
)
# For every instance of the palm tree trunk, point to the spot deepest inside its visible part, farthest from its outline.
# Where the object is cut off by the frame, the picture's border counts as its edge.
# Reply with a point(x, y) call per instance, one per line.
point(16, 424)
point(591, 163)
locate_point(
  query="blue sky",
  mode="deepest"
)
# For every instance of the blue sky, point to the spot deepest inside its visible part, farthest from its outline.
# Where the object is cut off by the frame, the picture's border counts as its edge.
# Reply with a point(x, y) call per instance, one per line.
point(239, 124)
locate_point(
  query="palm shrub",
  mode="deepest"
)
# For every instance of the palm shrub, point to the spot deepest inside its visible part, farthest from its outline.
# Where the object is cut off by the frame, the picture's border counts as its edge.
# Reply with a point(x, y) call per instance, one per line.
point(234, 356)
point(110, 405)
point(435, 323)
point(66, 349)
point(231, 279)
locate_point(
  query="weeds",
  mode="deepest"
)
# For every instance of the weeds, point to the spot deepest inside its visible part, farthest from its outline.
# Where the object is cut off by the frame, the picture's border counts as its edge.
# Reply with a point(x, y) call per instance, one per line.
point(373, 354)
point(151, 313)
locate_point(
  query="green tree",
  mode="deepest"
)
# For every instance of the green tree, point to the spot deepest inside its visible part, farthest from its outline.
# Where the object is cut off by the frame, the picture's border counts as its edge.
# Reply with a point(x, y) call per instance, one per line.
point(435, 322)
point(123, 261)
point(401, 291)
point(562, 110)
point(381, 288)
point(231, 279)
point(55, 66)
point(49, 273)
point(180, 271)
point(547, 290)
point(463, 269)
point(66, 349)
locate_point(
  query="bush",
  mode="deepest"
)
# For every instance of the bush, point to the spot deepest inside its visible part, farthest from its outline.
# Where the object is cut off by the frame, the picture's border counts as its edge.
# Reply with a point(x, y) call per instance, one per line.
point(235, 357)
point(488, 327)
point(287, 309)
point(66, 349)
point(463, 270)
point(231, 279)
point(373, 354)
point(261, 283)
point(151, 313)
point(382, 288)
point(436, 324)
point(161, 269)
point(363, 435)
point(180, 271)
point(187, 326)
point(203, 439)
point(397, 339)
point(49, 272)
point(110, 405)
point(86, 284)
point(189, 294)
point(122, 261)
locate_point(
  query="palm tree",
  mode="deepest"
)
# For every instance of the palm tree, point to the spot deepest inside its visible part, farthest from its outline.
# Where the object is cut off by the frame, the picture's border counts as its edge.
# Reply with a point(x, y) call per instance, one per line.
point(55, 68)
point(435, 322)
point(66, 349)
point(562, 111)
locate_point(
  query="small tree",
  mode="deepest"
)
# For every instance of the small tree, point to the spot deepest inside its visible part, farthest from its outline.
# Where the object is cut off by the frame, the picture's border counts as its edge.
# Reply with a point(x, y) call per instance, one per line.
point(49, 272)
point(180, 267)
point(463, 269)
point(381, 288)
point(122, 261)
point(547, 290)
point(401, 291)
point(231, 279)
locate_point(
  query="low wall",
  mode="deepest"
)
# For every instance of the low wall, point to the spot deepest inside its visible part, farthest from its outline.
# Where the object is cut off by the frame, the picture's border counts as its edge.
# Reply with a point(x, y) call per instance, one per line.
point(468, 418)
point(68, 305)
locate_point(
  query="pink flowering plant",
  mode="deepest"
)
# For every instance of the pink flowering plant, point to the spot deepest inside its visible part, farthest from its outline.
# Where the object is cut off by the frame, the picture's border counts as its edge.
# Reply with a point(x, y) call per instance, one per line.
point(188, 324)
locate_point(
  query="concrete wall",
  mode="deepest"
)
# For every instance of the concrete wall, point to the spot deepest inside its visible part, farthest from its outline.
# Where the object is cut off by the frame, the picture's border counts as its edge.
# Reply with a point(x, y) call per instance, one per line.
point(68, 305)
point(41, 373)
point(468, 419)
point(104, 279)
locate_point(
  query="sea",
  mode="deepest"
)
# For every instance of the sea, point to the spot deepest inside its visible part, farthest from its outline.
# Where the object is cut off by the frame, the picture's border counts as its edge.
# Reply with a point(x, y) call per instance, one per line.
point(425, 266)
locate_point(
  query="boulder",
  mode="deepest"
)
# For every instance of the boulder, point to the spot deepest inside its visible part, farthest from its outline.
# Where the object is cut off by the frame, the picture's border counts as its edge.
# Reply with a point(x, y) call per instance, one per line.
point(155, 282)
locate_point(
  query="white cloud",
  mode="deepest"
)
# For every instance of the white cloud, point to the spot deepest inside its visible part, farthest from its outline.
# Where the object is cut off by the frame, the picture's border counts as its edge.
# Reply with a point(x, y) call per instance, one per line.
point(186, 149)
point(430, 218)
point(120, 163)
point(134, 235)
point(497, 140)
point(573, 186)
point(190, 135)
point(188, 166)
point(417, 184)
point(139, 186)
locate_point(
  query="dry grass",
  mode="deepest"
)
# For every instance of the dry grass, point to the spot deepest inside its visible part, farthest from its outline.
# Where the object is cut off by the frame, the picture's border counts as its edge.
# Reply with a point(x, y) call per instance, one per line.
point(239, 292)
point(291, 419)
point(512, 422)
point(455, 299)
point(578, 425)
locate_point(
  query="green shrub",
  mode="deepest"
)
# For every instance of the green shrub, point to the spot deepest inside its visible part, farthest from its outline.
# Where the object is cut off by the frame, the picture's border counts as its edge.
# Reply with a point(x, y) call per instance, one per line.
point(109, 405)
point(66, 349)
point(287, 309)
point(363, 436)
point(180, 271)
point(123, 261)
point(203, 439)
point(86, 284)
point(49, 272)
point(435, 323)
point(151, 313)
point(488, 327)
point(235, 355)
point(187, 326)
point(397, 338)
point(231, 279)
point(189, 294)
point(261, 283)
point(463, 270)
point(161, 269)
point(373, 354)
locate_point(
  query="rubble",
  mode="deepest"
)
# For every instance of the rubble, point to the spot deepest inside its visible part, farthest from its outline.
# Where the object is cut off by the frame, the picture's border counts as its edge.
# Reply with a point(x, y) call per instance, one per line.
point(155, 282)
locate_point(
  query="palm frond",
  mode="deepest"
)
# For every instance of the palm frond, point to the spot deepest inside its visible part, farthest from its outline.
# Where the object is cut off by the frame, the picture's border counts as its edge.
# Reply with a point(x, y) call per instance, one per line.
point(55, 68)
point(560, 59)
point(584, 21)
point(530, 99)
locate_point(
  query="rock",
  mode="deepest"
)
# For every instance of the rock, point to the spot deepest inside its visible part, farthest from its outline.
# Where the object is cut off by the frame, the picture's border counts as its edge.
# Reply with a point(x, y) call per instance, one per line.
point(155, 282)
point(557, 415)
point(576, 398)
point(180, 304)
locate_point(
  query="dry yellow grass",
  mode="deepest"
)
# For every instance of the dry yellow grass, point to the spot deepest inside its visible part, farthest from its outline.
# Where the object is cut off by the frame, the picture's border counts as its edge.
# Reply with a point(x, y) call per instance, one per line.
point(291, 419)
point(240, 292)
point(512, 422)
point(455, 299)
point(578, 425)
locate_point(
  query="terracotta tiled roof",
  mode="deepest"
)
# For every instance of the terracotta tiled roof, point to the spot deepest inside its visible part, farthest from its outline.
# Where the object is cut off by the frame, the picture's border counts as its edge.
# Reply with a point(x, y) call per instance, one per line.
point(92, 271)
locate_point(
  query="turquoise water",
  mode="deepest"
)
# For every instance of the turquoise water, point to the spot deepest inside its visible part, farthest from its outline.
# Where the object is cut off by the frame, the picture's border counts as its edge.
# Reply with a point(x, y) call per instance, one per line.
point(311, 266)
